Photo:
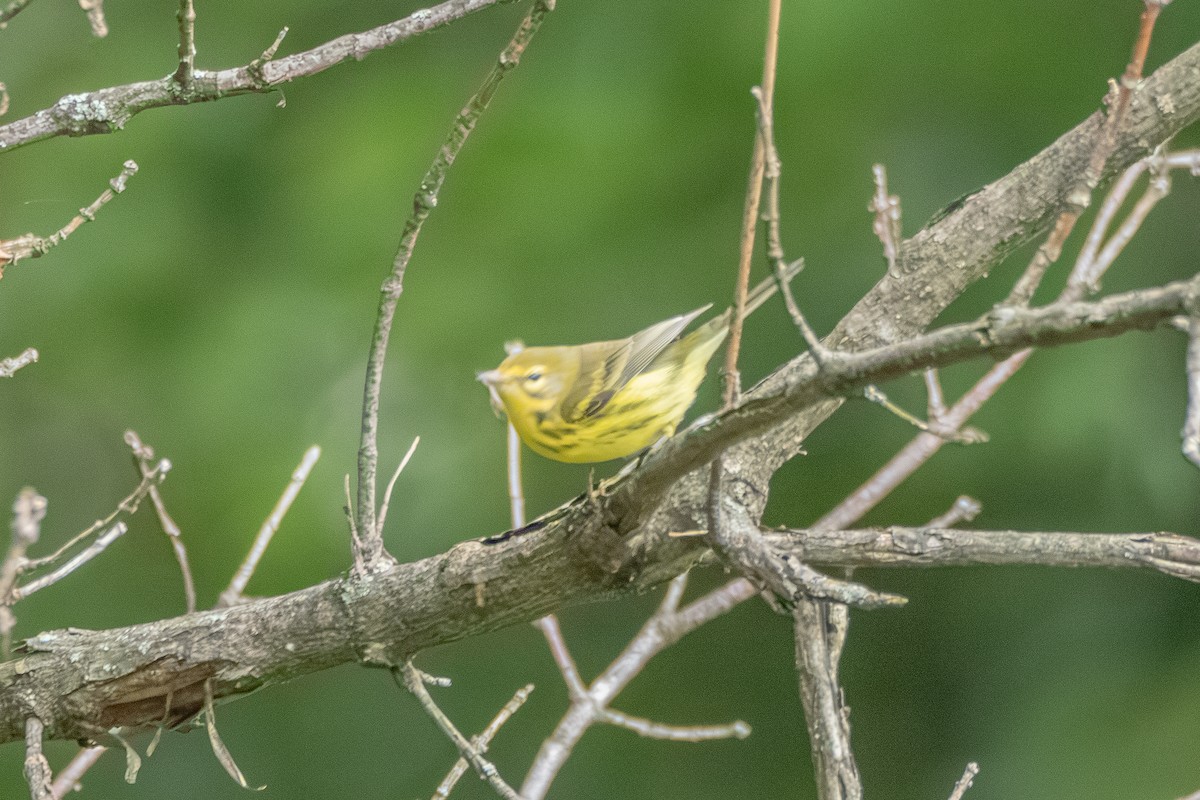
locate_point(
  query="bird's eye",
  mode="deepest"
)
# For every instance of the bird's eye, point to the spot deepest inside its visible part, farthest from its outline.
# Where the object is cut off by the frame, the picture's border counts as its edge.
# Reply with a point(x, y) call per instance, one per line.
point(533, 376)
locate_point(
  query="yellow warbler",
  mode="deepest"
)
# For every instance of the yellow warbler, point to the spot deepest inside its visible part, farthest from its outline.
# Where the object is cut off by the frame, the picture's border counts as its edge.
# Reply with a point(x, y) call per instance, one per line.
point(605, 400)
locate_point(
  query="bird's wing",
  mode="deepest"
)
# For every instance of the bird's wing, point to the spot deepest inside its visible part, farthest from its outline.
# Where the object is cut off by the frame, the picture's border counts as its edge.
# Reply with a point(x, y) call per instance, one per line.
point(605, 367)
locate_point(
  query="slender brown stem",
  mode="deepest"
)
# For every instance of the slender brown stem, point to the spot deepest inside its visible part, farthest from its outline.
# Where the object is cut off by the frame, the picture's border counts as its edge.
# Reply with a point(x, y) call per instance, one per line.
point(370, 555)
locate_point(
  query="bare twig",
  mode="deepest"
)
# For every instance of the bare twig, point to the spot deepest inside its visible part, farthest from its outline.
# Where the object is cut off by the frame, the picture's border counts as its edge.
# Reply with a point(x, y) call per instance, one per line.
point(964, 509)
point(933, 425)
point(1191, 424)
point(589, 704)
point(649, 729)
point(143, 455)
point(237, 585)
point(187, 44)
point(67, 779)
point(1079, 197)
point(1088, 274)
point(218, 746)
point(11, 10)
point(897, 546)
point(516, 497)
point(127, 506)
point(482, 740)
point(37, 768)
point(820, 634)
point(415, 683)
point(98, 546)
point(95, 14)
point(29, 509)
point(886, 208)
point(387, 494)
point(31, 245)
point(10, 365)
point(370, 554)
point(750, 212)
point(771, 219)
point(964, 783)
point(110, 109)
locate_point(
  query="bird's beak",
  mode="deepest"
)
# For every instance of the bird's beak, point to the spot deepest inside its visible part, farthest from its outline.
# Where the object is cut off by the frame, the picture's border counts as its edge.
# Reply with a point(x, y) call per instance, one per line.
point(491, 379)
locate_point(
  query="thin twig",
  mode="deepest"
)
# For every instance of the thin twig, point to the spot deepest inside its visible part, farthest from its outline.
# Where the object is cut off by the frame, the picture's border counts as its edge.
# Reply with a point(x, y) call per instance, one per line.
point(964, 509)
point(415, 683)
point(29, 509)
point(37, 768)
point(589, 704)
point(516, 495)
point(128, 505)
point(10, 365)
point(95, 14)
point(548, 625)
point(754, 187)
point(482, 740)
point(94, 549)
point(370, 555)
point(964, 783)
point(31, 245)
point(886, 208)
point(11, 10)
point(935, 426)
point(237, 585)
point(771, 219)
point(1160, 187)
point(68, 778)
point(898, 546)
point(1191, 424)
point(1079, 197)
point(143, 455)
point(218, 745)
point(818, 650)
point(387, 494)
point(925, 445)
point(649, 729)
point(187, 44)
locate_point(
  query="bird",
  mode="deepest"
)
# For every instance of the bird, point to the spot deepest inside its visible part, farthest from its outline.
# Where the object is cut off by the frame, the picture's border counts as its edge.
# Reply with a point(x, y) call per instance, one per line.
point(600, 401)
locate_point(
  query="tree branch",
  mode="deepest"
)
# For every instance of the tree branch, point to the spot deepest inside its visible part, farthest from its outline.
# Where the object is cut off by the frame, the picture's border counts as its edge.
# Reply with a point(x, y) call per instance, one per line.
point(109, 110)
point(79, 681)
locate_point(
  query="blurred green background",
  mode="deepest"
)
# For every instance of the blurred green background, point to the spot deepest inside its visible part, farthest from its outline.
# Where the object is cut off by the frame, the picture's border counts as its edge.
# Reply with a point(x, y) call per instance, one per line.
point(222, 308)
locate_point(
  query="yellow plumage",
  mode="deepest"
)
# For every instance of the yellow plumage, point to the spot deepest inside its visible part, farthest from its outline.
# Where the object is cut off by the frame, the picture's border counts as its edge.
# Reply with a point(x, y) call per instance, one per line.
point(606, 400)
